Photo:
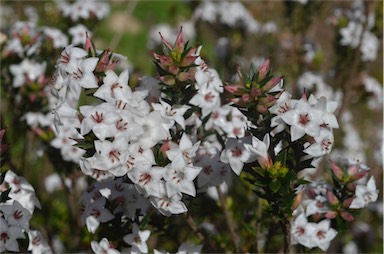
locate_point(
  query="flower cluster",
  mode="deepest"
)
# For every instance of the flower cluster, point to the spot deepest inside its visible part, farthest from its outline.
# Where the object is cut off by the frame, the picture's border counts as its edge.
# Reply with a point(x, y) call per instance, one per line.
point(357, 33)
point(17, 204)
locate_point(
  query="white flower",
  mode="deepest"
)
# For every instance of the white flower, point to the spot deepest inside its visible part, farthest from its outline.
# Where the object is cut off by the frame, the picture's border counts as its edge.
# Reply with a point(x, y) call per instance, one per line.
point(83, 76)
point(26, 71)
point(236, 154)
point(365, 194)
point(103, 247)
point(78, 34)
point(303, 119)
point(154, 126)
point(114, 86)
point(168, 205)
point(111, 156)
point(16, 215)
point(317, 205)
point(37, 243)
point(68, 60)
point(208, 99)
point(260, 149)
point(147, 178)
point(183, 153)
point(186, 248)
point(174, 113)
point(323, 234)
point(58, 38)
point(137, 239)
point(282, 105)
point(180, 179)
point(95, 213)
point(302, 231)
point(8, 236)
point(100, 119)
point(323, 144)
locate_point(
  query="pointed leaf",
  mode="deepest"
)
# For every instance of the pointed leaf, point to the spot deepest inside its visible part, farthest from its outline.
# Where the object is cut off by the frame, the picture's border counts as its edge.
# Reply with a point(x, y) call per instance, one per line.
point(274, 185)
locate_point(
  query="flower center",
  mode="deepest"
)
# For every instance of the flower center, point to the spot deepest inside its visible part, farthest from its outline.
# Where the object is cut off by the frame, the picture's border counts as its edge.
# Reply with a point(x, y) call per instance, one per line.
point(303, 119)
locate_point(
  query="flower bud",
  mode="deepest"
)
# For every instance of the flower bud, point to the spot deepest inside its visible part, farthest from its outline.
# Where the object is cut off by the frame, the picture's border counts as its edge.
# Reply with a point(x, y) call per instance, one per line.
point(168, 80)
point(337, 171)
point(232, 89)
point(184, 76)
point(331, 215)
point(245, 98)
point(263, 70)
point(347, 202)
point(89, 46)
point(179, 44)
point(347, 216)
point(102, 65)
point(271, 84)
point(174, 69)
point(262, 109)
point(351, 187)
point(187, 61)
point(333, 200)
point(255, 92)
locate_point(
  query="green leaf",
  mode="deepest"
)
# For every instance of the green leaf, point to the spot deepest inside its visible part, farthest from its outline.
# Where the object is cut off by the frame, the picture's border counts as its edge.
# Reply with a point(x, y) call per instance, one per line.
point(274, 185)
point(2, 176)
point(259, 170)
point(282, 156)
point(4, 196)
point(252, 71)
point(166, 49)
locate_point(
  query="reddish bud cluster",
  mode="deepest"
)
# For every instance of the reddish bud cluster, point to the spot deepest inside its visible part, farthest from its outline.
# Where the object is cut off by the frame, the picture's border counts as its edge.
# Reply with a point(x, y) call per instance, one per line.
point(254, 90)
point(177, 62)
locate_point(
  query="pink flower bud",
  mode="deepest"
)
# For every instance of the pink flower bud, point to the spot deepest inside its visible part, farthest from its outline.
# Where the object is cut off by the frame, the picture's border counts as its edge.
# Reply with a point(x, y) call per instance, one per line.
point(346, 216)
point(261, 109)
point(165, 147)
point(333, 200)
point(264, 70)
point(337, 171)
point(245, 98)
point(347, 202)
point(232, 89)
point(179, 44)
point(255, 92)
point(89, 46)
point(184, 76)
point(353, 169)
point(271, 84)
point(174, 69)
point(240, 74)
point(165, 42)
point(187, 61)
point(359, 175)
point(168, 80)
point(351, 187)
point(331, 215)
point(103, 62)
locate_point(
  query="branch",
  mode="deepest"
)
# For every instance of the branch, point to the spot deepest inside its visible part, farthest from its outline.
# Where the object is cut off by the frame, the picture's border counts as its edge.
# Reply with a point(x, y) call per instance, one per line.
point(228, 219)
